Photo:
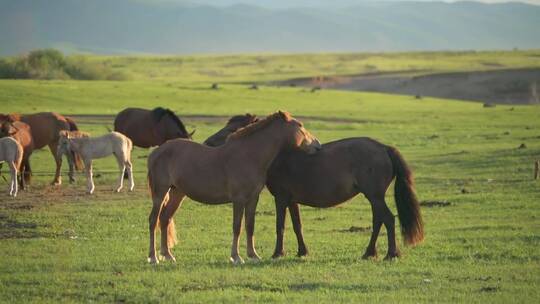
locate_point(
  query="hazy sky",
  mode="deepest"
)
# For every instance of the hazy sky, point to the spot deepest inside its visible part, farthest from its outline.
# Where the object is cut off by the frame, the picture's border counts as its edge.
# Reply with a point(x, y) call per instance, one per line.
point(288, 3)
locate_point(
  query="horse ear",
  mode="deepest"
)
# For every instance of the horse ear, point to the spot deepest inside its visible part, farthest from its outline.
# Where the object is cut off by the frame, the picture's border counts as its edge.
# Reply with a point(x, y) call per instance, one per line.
point(192, 132)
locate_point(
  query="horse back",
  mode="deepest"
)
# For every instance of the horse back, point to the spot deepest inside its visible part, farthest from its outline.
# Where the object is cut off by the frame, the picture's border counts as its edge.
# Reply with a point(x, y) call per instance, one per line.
point(138, 125)
point(44, 127)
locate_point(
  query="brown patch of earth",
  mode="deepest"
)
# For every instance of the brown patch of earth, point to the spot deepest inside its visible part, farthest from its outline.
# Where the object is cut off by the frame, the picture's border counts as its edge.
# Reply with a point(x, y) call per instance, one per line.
point(508, 86)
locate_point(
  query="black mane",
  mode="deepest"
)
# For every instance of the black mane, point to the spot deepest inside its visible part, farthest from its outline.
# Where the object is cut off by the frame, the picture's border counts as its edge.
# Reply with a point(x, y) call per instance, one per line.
point(246, 118)
point(159, 112)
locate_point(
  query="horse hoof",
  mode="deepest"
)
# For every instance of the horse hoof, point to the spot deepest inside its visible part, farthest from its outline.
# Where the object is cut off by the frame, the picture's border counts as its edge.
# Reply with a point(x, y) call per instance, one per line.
point(153, 260)
point(302, 254)
point(169, 257)
point(278, 255)
point(392, 256)
point(254, 259)
point(236, 261)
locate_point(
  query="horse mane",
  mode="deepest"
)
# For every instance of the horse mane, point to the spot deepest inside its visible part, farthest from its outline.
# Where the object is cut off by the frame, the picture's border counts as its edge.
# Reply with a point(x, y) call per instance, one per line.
point(261, 124)
point(74, 134)
point(244, 119)
point(159, 112)
point(13, 117)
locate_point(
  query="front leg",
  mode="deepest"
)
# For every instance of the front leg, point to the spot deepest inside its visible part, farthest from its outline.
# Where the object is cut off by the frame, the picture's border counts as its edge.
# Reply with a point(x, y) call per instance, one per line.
point(281, 212)
point(297, 226)
point(251, 207)
point(238, 212)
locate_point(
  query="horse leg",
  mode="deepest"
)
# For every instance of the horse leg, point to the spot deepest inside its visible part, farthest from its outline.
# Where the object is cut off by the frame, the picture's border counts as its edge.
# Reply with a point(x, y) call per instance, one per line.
point(159, 198)
point(71, 160)
point(166, 221)
point(20, 177)
point(129, 170)
point(377, 220)
point(251, 207)
point(297, 226)
point(89, 177)
point(58, 159)
point(385, 216)
point(281, 212)
point(238, 212)
point(122, 167)
point(13, 172)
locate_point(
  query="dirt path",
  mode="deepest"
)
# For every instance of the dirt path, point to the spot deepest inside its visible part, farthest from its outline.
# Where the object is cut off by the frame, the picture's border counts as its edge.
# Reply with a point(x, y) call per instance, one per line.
point(511, 86)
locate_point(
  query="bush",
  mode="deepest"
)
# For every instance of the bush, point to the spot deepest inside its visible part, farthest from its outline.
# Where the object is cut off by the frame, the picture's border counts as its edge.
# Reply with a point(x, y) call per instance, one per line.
point(52, 64)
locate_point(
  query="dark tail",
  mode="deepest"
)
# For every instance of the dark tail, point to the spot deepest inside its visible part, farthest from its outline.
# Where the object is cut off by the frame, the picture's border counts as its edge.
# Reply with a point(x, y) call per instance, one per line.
point(410, 218)
point(79, 165)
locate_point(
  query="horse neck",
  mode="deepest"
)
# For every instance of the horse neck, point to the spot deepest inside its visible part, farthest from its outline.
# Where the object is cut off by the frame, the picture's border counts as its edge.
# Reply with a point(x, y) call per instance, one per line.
point(268, 142)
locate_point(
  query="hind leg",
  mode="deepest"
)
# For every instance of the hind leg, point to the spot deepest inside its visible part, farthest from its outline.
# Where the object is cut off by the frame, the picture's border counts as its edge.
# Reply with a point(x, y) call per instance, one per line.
point(89, 177)
point(58, 159)
point(377, 221)
point(297, 226)
point(13, 172)
point(159, 198)
point(166, 221)
point(122, 168)
point(385, 216)
point(129, 171)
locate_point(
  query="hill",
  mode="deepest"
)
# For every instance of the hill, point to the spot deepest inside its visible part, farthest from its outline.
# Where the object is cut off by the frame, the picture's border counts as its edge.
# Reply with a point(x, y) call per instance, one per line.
point(136, 26)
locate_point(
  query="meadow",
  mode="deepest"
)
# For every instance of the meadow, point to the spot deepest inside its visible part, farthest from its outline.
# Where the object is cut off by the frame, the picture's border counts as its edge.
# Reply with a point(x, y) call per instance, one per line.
point(482, 233)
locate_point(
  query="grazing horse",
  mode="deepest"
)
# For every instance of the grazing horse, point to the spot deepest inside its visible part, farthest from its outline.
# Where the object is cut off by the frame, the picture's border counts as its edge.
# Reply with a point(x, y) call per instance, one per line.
point(148, 128)
point(12, 153)
point(98, 147)
point(337, 173)
point(45, 128)
point(234, 172)
point(22, 133)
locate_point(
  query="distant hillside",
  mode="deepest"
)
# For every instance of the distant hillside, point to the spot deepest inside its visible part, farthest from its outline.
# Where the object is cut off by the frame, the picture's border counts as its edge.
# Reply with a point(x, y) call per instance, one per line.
point(139, 26)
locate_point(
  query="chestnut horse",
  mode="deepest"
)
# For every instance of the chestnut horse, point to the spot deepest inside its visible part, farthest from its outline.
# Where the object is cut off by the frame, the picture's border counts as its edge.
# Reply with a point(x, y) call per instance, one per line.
point(148, 128)
point(337, 173)
point(22, 133)
point(234, 172)
point(45, 128)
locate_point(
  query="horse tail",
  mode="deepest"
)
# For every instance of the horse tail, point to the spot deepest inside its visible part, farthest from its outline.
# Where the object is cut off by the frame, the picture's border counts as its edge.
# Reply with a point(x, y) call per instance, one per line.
point(410, 218)
point(79, 164)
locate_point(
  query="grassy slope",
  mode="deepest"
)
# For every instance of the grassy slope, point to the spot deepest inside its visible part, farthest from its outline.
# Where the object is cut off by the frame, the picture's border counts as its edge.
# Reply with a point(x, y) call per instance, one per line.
point(267, 67)
point(58, 244)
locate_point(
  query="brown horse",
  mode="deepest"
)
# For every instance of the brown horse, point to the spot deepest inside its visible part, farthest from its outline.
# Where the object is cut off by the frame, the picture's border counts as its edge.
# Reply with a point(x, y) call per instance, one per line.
point(148, 128)
point(235, 123)
point(340, 171)
point(22, 133)
point(234, 172)
point(45, 128)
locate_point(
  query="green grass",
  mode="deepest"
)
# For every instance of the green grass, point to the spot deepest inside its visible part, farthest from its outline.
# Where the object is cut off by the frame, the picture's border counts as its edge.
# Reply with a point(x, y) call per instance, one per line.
point(60, 245)
point(271, 67)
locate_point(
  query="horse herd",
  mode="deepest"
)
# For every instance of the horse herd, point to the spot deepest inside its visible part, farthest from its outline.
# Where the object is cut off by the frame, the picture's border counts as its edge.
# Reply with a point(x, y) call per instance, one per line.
point(233, 165)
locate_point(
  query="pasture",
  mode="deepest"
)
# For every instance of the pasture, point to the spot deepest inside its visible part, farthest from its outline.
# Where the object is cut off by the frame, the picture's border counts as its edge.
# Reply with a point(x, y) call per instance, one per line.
point(481, 207)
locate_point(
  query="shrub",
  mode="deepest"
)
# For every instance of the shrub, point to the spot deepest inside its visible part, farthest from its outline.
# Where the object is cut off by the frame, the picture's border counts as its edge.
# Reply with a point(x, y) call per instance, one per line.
point(52, 64)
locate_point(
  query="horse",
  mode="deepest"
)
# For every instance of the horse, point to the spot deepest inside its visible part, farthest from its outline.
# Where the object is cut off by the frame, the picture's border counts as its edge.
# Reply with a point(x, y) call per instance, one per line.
point(148, 128)
point(45, 128)
point(336, 174)
point(97, 147)
point(234, 172)
point(22, 133)
point(12, 153)
point(234, 123)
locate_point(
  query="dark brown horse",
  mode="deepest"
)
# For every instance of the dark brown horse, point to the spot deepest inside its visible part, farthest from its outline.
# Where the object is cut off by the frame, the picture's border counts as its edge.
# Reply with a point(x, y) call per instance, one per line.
point(234, 172)
point(235, 123)
point(45, 128)
point(337, 173)
point(22, 133)
point(148, 128)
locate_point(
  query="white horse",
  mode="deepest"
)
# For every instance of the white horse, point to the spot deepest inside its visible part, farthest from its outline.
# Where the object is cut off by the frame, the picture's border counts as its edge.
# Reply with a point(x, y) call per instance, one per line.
point(97, 147)
point(12, 153)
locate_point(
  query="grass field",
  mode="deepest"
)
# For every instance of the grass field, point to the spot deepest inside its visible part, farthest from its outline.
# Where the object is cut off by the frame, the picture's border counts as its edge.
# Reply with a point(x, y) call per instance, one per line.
point(59, 245)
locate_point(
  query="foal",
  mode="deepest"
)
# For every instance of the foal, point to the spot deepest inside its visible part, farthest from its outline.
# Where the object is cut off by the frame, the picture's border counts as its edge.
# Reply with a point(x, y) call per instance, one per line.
point(12, 153)
point(22, 133)
point(98, 147)
point(234, 172)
